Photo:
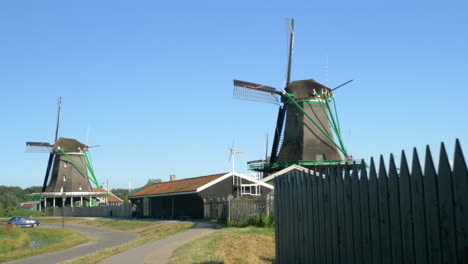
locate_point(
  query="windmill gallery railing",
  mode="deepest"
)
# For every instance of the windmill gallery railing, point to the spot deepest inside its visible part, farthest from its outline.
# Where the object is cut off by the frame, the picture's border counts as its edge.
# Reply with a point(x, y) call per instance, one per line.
point(350, 216)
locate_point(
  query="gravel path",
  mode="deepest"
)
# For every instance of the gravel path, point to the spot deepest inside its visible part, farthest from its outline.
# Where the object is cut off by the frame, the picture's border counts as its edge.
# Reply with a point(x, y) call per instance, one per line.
point(161, 250)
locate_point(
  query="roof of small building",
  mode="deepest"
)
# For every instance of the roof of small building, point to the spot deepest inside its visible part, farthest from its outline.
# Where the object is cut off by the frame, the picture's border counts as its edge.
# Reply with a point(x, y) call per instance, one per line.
point(112, 198)
point(178, 186)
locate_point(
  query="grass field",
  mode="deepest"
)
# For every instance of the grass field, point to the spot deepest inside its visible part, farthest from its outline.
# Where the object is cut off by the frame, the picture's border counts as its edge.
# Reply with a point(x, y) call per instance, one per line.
point(230, 245)
point(148, 230)
point(17, 243)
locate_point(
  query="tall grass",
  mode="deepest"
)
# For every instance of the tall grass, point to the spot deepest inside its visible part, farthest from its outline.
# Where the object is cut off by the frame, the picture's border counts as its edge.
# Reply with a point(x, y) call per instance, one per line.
point(15, 244)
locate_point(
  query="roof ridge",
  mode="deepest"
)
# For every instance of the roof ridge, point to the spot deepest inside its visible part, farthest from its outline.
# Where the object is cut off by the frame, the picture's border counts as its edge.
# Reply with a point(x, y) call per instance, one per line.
point(185, 179)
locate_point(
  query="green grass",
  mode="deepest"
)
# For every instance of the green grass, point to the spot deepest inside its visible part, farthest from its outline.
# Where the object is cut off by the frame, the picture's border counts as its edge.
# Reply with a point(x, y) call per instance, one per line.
point(230, 245)
point(15, 243)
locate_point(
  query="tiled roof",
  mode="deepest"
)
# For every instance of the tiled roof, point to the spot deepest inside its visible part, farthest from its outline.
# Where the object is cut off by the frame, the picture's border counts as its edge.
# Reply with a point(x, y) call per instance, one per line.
point(112, 198)
point(184, 185)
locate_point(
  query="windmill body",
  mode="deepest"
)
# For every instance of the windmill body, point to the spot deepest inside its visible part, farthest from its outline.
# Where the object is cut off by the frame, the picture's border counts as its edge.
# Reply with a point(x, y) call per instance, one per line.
point(69, 171)
point(302, 140)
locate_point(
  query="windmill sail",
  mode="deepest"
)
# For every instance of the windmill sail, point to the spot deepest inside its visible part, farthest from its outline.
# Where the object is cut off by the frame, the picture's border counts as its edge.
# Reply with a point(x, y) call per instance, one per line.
point(255, 92)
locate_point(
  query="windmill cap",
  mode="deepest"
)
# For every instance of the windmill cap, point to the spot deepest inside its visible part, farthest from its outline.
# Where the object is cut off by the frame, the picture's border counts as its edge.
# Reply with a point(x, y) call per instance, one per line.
point(68, 145)
point(306, 89)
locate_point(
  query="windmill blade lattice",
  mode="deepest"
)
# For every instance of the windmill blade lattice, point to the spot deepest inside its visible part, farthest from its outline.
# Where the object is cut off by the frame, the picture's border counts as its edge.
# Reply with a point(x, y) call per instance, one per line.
point(255, 92)
point(38, 147)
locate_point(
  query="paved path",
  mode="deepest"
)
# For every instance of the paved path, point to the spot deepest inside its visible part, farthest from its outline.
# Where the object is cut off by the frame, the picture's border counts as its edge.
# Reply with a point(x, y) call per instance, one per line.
point(102, 239)
point(161, 250)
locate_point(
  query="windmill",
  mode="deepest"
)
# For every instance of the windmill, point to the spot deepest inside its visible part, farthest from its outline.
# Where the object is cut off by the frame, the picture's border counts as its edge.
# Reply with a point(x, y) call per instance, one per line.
point(306, 122)
point(68, 164)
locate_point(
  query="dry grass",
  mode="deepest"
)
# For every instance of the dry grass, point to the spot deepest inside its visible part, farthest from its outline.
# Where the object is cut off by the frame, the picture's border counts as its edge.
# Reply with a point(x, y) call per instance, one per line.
point(148, 231)
point(230, 245)
point(15, 244)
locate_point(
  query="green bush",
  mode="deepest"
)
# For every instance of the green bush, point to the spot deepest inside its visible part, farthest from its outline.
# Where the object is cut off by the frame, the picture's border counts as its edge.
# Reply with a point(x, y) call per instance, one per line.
point(257, 221)
point(12, 211)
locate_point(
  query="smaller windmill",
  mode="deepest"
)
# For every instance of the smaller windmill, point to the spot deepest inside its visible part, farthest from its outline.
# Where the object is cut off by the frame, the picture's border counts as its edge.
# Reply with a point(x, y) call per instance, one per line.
point(69, 168)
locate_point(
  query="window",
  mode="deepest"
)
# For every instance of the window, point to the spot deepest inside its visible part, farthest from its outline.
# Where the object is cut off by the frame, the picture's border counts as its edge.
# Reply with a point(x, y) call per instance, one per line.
point(64, 164)
point(250, 189)
point(320, 156)
point(64, 178)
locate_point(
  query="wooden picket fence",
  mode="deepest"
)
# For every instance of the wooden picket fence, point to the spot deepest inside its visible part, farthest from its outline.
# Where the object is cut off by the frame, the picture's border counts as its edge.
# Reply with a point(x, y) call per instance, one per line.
point(343, 215)
point(238, 210)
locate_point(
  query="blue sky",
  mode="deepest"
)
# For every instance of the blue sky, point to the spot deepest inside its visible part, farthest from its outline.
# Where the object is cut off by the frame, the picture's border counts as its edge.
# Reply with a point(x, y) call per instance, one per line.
point(153, 80)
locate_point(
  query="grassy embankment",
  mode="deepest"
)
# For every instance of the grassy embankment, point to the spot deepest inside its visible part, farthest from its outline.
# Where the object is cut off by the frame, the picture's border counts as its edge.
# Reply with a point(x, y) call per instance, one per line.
point(230, 245)
point(16, 243)
point(148, 231)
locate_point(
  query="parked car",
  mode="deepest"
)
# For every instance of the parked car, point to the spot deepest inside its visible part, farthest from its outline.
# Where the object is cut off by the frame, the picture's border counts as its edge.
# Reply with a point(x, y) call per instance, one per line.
point(21, 221)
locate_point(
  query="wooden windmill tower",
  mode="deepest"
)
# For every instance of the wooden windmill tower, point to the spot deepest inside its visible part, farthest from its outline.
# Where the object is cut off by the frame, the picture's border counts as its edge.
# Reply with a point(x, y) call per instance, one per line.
point(69, 168)
point(307, 123)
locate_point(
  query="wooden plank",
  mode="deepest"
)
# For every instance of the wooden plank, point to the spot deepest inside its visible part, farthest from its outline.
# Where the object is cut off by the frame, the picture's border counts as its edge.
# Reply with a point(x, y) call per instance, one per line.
point(356, 201)
point(384, 216)
point(316, 215)
point(394, 211)
point(446, 210)
point(334, 216)
point(305, 224)
point(431, 204)
point(348, 206)
point(292, 219)
point(297, 218)
point(374, 214)
point(419, 220)
point(365, 216)
point(341, 218)
point(327, 219)
point(406, 212)
point(321, 219)
point(460, 185)
point(278, 222)
point(310, 216)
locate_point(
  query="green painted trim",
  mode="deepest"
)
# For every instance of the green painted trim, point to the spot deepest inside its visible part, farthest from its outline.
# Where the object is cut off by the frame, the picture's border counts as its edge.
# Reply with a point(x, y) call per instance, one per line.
point(309, 102)
point(301, 162)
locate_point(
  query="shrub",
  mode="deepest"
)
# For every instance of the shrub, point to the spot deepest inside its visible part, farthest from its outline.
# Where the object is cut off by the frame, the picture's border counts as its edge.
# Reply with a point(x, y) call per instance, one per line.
point(257, 221)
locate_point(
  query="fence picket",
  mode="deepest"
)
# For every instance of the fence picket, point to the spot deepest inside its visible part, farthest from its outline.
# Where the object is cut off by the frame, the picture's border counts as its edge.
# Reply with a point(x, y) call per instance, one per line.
point(356, 210)
point(374, 214)
point(321, 218)
point(348, 207)
point(365, 216)
point(316, 215)
point(419, 221)
point(394, 211)
point(432, 210)
point(446, 211)
point(460, 185)
point(385, 235)
point(334, 217)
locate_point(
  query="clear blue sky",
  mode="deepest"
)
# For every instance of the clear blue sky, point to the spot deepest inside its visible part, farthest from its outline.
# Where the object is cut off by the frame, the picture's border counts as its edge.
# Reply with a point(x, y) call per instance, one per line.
point(153, 79)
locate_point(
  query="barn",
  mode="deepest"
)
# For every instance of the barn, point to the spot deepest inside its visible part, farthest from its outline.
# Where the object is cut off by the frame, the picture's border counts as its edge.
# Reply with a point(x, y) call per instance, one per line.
point(186, 197)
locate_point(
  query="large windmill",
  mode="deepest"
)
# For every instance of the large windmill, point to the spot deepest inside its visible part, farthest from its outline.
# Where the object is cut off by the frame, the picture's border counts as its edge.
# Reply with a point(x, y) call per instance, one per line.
point(307, 123)
point(69, 170)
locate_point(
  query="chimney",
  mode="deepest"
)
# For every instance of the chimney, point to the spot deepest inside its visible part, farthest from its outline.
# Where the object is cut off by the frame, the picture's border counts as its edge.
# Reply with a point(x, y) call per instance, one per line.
point(173, 177)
